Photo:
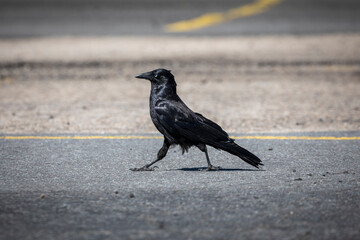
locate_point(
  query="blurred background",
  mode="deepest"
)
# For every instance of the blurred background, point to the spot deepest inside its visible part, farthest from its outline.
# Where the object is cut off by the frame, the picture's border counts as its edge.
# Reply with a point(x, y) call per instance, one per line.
point(251, 65)
point(33, 18)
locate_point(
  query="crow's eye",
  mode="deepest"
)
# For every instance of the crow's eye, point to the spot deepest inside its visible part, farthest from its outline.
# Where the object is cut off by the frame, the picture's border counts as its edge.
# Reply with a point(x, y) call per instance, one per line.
point(155, 75)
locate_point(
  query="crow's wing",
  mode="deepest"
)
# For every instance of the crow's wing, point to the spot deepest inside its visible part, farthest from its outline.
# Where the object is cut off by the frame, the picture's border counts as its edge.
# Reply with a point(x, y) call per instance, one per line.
point(180, 121)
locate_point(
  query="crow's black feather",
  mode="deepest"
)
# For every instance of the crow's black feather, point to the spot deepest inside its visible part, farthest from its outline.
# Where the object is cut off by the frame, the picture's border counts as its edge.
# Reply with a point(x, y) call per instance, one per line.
point(181, 126)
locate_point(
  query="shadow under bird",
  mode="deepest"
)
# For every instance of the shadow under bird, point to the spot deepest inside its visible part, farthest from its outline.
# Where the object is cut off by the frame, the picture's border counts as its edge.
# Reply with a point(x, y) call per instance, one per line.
point(181, 126)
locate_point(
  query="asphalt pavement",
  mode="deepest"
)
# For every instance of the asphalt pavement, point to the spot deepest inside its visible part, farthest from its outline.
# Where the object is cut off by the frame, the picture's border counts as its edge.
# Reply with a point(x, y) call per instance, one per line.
point(142, 17)
point(83, 189)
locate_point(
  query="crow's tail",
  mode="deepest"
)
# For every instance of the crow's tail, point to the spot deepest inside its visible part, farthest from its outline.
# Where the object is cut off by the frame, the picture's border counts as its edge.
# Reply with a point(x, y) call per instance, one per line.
point(242, 153)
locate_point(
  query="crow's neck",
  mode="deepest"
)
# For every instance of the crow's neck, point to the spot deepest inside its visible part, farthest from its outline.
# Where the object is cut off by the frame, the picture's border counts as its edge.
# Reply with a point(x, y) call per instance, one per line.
point(165, 91)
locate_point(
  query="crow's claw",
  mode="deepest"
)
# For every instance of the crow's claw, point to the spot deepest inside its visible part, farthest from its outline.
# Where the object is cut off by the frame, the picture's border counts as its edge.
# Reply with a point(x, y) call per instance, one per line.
point(144, 168)
point(212, 168)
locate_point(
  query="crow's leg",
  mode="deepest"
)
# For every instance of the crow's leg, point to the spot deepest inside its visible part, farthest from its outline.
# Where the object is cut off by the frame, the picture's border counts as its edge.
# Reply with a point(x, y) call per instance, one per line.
point(161, 154)
point(210, 167)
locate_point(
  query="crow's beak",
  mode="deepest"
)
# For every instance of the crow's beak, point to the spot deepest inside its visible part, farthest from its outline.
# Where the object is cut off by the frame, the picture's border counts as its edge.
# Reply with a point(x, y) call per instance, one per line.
point(147, 75)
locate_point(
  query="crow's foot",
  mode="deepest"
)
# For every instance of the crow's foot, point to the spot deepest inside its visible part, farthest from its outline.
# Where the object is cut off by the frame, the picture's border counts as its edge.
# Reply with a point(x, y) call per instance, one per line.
point(144, 168)
point(212, 168)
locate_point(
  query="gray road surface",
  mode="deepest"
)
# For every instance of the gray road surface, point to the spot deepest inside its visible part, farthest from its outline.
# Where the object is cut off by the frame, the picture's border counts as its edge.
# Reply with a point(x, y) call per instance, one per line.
point(82, 189)
point(20, 18)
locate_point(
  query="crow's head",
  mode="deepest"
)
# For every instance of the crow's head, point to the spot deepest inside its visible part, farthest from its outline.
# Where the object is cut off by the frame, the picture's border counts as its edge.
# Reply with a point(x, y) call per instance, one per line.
point(158, 76)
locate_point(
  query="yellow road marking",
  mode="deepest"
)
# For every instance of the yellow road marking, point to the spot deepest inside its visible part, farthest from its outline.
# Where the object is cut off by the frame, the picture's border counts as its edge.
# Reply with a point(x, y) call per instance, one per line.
point(209, 19)
point(295, 138)
point(77, 137)
point(160, 137)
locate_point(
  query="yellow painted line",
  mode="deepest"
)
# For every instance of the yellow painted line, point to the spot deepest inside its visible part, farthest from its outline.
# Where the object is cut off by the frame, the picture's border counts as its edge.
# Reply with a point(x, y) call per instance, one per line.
point(76, 137)
point(160, 137)
point(295, 138)
point(210, 19)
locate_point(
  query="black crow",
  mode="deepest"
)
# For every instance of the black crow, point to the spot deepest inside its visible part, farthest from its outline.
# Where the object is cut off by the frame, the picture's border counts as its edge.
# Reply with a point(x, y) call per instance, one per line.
point(181, 126)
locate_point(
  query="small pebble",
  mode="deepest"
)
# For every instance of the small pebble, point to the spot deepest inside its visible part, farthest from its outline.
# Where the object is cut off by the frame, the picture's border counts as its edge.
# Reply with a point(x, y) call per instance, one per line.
point(270, 149)
point(294, 170)
point(298, 179)
point(131, 195)
point(161, 225)
point(42, 195)
point(346, 172)
point(309, 174)
point(116, 192)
